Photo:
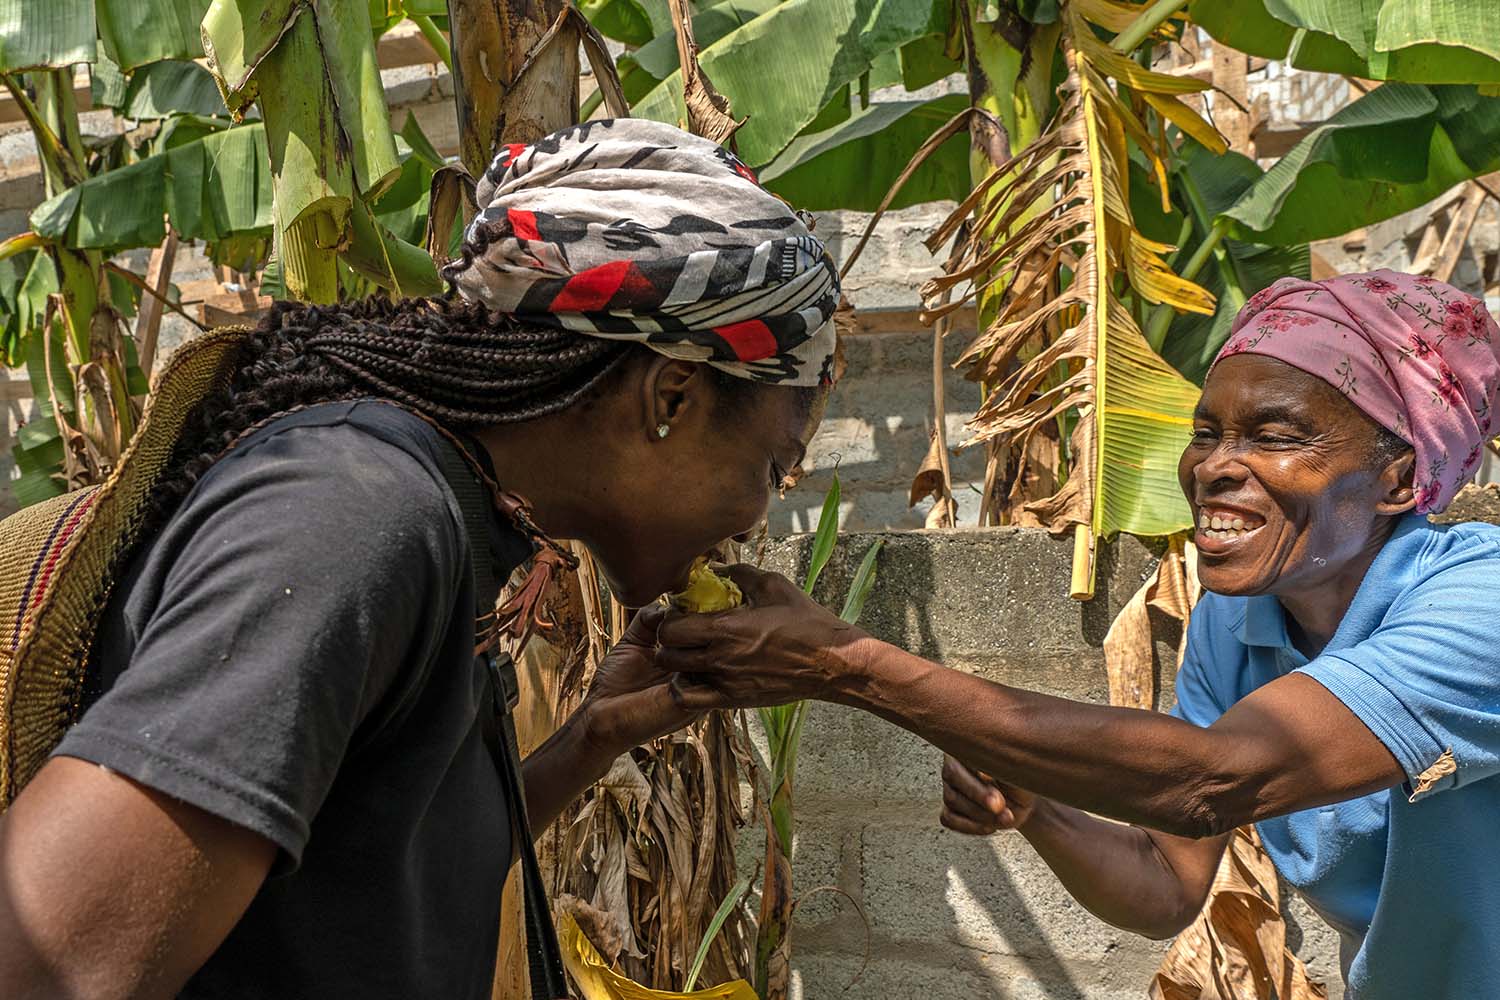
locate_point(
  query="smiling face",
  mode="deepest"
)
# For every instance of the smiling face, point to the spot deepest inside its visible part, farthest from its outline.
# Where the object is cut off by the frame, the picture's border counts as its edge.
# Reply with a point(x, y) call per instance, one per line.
point(1287, 481)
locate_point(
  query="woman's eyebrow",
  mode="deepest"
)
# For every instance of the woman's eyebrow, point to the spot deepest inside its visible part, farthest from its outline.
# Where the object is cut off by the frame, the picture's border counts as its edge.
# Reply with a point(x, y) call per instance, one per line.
point(1276, 414)
point(1270, 413)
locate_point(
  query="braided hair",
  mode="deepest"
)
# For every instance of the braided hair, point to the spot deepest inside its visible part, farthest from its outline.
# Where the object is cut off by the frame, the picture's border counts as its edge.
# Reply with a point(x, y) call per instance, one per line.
point(446, 358)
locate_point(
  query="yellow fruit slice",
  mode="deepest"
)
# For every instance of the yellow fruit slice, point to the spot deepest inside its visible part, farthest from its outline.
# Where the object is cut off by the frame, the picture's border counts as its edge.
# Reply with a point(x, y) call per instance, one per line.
point(707, 591)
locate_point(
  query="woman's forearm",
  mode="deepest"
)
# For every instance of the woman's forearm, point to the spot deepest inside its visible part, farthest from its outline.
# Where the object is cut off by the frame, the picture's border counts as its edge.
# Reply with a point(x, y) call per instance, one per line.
point(1130, 765)
point(559, 771)
point(1121, 873)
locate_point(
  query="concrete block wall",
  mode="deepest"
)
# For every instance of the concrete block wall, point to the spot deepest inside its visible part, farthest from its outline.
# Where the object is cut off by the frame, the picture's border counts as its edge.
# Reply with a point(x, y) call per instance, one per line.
point(949, 916)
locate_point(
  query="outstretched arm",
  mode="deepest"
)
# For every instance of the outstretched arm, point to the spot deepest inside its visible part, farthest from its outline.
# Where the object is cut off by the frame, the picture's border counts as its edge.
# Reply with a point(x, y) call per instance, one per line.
point(1289, 746)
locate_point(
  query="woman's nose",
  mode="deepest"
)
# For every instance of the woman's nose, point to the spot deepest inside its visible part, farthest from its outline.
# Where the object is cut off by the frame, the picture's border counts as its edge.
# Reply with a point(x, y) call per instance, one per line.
point(1219, 464)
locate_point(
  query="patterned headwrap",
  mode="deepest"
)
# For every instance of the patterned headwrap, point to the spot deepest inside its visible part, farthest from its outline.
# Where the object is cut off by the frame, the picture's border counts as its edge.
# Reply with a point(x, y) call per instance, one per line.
point(1418, 356)
point(635, 230)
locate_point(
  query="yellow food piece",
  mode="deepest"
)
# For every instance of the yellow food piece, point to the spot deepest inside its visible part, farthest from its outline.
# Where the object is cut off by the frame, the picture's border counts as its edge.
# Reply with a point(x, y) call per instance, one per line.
point(707, 591)
point(597, 981)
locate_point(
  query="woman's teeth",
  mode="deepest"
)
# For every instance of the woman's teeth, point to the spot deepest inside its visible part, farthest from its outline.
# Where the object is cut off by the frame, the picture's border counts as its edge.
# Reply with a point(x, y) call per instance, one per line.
point(1223, 526)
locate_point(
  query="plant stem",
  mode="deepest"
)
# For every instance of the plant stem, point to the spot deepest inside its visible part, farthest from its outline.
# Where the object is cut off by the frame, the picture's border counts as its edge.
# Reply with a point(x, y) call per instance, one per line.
point(1161, 318)
point(434, 37)
point(1149, 21)
point(19, 243)
point(58, 164)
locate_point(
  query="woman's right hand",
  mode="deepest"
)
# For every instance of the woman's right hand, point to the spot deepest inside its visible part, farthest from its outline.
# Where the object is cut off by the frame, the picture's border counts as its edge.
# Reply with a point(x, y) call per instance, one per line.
point(974, 803)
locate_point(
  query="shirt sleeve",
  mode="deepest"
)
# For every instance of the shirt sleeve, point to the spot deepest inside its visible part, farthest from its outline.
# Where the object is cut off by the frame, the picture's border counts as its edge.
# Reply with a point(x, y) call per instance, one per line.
point(1427, 681)
point(1196, 701)
point(307, 573)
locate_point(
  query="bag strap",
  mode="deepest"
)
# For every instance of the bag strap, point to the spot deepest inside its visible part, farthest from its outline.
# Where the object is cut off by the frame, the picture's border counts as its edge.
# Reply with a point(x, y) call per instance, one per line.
point(543, 955)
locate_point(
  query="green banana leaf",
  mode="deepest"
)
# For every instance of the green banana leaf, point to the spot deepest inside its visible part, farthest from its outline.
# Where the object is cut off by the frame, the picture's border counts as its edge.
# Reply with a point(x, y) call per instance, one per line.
point(1392, 150)
point(853, 164)
point(218, 189)
point(25, 282)
point(137, 32)
point(158, 90)
point(1416, 41)
point(45, 33)
point(1218, 180)
point(820, 46)
point(328, 136)
point(634, 22)
point(209, 189)
point(647, 66)
point(926, 60)
point(658, 57)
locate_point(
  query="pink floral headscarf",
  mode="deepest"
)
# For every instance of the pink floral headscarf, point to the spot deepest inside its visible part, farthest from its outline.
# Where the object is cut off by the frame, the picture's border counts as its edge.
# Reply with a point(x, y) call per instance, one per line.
point(1418, 356)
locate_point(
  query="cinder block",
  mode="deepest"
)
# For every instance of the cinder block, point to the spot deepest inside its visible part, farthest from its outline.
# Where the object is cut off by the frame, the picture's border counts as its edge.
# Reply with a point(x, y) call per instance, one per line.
point(991, 894)
point(926, 972)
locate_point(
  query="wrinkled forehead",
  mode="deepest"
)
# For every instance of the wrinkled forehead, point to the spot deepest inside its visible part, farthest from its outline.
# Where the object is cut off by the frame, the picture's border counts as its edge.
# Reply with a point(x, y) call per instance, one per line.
point(1254, 388)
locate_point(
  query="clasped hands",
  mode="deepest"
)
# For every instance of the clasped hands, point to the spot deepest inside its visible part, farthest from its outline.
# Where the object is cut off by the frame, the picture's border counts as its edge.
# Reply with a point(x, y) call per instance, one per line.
point(781, 647)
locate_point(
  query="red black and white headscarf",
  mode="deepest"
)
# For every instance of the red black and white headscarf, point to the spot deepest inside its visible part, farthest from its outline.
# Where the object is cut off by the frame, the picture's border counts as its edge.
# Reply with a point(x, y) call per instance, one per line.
point(635, 230)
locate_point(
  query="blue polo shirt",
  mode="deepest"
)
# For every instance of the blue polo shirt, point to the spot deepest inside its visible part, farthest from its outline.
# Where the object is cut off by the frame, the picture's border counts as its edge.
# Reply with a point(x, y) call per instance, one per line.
point(1410, 877)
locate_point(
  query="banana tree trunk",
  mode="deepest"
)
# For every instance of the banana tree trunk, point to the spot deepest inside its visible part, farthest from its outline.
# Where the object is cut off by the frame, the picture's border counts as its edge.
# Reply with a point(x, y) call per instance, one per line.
point(508, 85)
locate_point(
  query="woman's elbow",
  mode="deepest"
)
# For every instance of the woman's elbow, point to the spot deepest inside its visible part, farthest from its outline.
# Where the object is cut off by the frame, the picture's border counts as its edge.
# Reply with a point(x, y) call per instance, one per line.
point(1169, 925)
point(1199, 809)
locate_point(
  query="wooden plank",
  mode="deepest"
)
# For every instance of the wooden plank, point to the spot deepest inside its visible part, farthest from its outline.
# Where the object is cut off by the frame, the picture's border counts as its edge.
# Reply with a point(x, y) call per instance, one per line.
point(1274, 143)
point(1457, 236)
point(1232, 103)
point(83, 94)
point(13, 390)
point(868, 322)
point(148, 320)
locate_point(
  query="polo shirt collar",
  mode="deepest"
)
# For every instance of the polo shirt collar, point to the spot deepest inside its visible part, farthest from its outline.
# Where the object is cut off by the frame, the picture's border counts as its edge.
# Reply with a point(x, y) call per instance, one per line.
point(1262, 622)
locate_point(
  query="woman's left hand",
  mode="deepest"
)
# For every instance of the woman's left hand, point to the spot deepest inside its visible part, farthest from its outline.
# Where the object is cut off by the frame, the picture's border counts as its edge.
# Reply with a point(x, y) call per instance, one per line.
point(630, 701)
point(782, 647)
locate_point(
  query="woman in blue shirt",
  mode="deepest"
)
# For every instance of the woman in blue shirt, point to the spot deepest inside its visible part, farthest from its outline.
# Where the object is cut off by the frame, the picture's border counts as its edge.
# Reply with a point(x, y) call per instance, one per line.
point(1341, 687)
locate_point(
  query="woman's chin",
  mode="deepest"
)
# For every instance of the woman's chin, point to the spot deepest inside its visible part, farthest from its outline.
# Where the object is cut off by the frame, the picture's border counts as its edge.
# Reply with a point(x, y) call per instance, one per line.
point(638, 590)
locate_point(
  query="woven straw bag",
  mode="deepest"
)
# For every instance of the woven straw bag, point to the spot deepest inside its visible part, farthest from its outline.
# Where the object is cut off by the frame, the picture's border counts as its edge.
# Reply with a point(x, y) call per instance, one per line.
point(58, 560)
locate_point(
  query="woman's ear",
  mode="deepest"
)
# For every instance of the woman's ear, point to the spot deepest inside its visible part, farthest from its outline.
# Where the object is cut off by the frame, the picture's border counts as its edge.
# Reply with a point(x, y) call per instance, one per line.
point(1398, 495)
point(669, 390)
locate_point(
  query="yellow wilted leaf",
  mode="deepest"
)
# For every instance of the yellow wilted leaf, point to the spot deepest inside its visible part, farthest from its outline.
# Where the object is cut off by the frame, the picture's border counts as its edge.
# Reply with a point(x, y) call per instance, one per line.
point(597, 981)
point(1058, 214)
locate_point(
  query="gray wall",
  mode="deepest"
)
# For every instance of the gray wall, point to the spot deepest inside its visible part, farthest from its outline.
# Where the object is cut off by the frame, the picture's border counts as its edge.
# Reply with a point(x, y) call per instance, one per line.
point(953, 917)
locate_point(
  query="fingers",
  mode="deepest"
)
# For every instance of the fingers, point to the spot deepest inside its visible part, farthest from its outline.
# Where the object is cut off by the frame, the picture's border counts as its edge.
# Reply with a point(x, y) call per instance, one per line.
point(644, 626)
point(972, 804)
point(675, 659)
point(971, 786)
point(696, 695)
point(964, 825)
point(760, 586)
point(688, 630)
point(975, 814)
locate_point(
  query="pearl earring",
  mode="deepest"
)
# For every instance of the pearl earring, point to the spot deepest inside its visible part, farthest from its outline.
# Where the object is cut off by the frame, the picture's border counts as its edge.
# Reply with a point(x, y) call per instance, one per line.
point(662, 430)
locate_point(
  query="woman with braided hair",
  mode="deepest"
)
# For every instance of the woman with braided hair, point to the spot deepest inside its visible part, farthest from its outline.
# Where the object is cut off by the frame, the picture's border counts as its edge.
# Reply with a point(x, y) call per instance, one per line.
point(279, 784)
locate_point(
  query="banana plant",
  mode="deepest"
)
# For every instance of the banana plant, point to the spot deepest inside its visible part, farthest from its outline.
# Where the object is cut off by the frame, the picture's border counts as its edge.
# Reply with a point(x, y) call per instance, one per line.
point(782, 727)
point(1405, 40)
point(67, 315)
point(311, 68)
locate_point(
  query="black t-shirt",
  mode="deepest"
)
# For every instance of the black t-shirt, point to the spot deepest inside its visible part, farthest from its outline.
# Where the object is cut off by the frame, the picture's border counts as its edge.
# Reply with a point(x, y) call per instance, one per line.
point(293, 652)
